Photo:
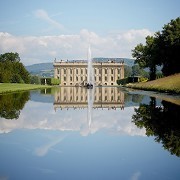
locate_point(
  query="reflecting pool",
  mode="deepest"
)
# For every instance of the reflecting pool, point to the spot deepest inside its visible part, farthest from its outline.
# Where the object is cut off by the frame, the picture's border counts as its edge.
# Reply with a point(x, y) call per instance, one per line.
point(106, 133)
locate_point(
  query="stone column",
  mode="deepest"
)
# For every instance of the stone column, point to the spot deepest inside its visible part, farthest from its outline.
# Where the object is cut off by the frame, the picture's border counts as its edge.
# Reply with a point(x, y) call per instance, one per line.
point(115, 75)
point(109, 76)
point(122, 71)
point(62, 76)
point(67, 76)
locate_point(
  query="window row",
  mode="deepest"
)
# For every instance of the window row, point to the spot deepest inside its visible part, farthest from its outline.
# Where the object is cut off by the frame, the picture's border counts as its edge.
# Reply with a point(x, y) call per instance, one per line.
point(96, 71)
point(96, 98)
point(85, 78)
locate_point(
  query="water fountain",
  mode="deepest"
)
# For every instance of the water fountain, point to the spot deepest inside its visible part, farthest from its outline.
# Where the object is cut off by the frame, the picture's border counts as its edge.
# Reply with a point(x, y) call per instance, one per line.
point(90, 76)
point(90, 84)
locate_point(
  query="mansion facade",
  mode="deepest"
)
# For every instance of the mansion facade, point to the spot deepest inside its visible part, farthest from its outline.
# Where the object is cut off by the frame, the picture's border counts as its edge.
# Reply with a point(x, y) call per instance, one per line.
point(74, 73)
point(77, 98)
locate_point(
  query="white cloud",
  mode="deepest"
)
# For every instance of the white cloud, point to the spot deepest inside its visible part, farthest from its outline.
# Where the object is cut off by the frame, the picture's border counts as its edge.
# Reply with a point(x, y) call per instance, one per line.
point(136, 176)
point(38, 49)
point(42, 14)
point(4, 177)
point(43, 150)
point(112, 121)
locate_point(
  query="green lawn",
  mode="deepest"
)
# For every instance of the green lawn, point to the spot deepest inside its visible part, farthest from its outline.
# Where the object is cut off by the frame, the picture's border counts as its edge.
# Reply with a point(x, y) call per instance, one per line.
point(14, 87)
point(166, 84)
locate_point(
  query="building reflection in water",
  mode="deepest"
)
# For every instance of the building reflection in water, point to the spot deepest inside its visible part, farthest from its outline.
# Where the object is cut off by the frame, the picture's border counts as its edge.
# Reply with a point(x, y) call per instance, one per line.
point(90, 94)
point(110, 98)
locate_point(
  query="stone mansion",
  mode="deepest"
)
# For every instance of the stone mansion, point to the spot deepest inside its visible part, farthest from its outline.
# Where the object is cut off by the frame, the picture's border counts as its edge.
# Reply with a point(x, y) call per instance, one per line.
point(74, 73)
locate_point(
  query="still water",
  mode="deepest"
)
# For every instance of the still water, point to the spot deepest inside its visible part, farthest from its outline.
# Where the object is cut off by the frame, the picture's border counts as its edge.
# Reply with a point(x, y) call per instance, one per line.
point(105, 133)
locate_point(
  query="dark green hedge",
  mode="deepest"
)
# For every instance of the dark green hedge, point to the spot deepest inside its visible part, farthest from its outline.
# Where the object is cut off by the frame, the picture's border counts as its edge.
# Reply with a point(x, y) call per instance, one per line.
point(50, 81)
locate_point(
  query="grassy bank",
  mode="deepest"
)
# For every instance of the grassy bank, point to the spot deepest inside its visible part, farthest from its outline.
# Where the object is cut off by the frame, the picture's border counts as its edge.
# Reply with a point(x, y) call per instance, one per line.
point(15, 87)
point(167, 84)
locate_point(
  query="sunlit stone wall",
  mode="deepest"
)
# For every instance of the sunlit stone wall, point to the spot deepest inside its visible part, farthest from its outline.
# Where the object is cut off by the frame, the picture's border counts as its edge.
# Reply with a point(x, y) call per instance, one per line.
point(72, 73)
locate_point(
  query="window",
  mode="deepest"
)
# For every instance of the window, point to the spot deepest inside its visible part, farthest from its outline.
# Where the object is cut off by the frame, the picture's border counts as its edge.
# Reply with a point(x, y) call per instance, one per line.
point(64, 71)
point(105, 71)
point(112, 71)
point(81, 71)
point(70, 71)
point(70, 78)
point(105, 78)
point(64, 78)
point(111, 78)
point(76, 71)
point(76, 78)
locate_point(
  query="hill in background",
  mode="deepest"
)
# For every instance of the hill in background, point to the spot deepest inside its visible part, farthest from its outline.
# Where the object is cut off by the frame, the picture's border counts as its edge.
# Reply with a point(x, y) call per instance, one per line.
point(47, 70)
point(42, 69)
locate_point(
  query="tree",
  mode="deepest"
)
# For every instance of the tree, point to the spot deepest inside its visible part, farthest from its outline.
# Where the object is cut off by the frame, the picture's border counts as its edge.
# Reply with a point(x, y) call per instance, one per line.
point(169, 45)
point(35, 80)
point(146, 55)
point(11, 104)
point(161, 49)
point(12, 70)
point(162, 122)
point(127, 71)
point(13, 57)
point(137, 71)
point(20, 69)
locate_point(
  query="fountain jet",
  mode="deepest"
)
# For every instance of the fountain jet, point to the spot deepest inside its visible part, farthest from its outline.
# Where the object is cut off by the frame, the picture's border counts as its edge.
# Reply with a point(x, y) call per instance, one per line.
point(90, 77)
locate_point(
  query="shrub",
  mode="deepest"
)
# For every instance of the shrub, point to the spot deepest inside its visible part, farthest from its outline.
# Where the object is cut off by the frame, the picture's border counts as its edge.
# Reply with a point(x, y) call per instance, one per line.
point(50, 81)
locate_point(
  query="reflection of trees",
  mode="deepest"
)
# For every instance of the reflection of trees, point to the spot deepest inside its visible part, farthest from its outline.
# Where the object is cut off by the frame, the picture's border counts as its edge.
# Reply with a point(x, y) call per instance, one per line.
point(161, 122)
point(46, 91)
point(136, 98)
point(11, 104)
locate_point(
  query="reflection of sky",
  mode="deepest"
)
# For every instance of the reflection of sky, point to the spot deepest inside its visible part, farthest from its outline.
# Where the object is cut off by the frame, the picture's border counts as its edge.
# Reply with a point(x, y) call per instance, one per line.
point(47, 154)
point(38, 115)
point(44, 144)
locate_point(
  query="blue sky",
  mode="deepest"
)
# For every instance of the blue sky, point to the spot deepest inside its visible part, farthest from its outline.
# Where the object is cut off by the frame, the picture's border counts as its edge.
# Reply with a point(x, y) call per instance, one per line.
point(42, 30)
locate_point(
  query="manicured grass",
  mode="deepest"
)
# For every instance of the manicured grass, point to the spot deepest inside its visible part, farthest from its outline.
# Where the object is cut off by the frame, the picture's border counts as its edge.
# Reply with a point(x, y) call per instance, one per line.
point(167, 84)
point(15, 87)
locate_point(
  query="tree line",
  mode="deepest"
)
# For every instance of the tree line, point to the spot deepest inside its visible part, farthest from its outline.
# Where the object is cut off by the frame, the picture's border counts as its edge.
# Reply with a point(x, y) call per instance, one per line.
point(162, 49)
point(12, 70)
point(11, 104)
point(161, 122)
